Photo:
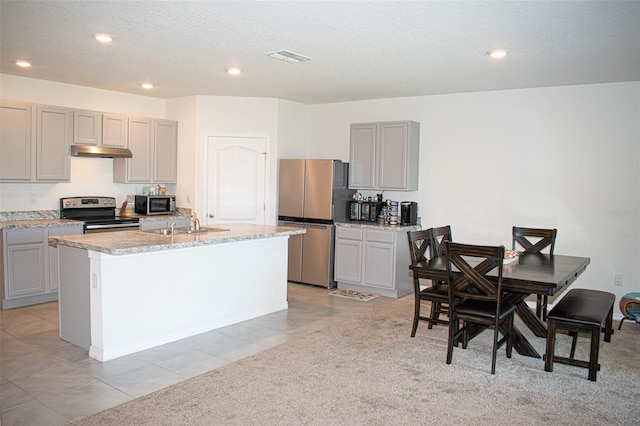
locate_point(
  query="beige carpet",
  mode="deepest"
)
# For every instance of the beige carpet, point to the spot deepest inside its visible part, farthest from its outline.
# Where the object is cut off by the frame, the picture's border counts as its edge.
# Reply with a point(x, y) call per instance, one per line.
point(368, 371)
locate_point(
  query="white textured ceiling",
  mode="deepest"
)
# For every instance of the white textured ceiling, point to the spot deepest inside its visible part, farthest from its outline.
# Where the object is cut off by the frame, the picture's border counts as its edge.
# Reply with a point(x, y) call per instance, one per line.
point(360, 49)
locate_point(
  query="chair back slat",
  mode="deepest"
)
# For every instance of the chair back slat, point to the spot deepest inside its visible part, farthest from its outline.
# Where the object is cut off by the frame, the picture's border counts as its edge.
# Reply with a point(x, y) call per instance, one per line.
point(420, 248)
point(438, 236)
point(521, 236)
point(472, 282)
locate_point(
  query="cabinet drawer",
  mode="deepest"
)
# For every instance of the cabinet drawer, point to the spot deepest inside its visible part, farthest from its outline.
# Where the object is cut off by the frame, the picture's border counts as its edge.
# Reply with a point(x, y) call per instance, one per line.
point(24, 236)
point(349, 233)
point(381, 236)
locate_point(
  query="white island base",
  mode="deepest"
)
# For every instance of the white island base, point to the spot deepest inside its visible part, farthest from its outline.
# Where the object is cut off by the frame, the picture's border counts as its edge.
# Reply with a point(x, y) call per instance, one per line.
point(142, 300)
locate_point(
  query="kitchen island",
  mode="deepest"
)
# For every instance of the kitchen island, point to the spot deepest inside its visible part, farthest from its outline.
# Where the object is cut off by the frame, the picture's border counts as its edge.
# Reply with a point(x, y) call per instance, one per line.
point(123, 292)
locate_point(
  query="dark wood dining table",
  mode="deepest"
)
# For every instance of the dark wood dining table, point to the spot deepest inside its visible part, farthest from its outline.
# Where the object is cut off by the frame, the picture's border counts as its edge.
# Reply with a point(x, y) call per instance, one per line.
point(532, 273)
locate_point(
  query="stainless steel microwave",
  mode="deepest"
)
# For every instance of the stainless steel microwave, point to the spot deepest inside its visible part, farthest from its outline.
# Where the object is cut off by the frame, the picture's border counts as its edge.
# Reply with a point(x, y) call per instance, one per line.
point(154, 204)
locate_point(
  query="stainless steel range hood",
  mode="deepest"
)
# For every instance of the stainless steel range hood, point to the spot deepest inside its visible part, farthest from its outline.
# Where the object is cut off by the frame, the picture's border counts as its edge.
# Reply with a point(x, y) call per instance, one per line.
point(99, 152)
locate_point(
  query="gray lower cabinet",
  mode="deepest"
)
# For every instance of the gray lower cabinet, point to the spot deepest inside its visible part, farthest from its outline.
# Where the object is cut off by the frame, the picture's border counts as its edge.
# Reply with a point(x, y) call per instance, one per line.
point(30, 266)
point(182, 222)
point(372, 260)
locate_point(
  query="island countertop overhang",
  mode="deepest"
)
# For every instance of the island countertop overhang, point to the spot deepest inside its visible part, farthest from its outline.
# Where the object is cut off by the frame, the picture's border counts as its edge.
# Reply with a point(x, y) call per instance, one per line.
point(132, 242)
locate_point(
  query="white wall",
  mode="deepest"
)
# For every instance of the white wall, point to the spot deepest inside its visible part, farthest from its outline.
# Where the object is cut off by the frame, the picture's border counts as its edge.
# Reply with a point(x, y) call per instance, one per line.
point(234, 116)
point(183, 110)
point(89, 176)
point(199, 117)
point(564, 157)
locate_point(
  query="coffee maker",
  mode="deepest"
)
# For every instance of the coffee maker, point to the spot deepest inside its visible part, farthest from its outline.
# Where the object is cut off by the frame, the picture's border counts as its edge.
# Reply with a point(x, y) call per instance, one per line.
point(408, 213)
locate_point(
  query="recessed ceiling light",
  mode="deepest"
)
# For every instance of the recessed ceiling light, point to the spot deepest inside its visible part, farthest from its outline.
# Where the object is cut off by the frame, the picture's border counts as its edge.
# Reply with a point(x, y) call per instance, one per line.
point(147, 86)
point(23, 64)
point(234, 71)
point(497, 53)
point(103, 38)
point(288, 56)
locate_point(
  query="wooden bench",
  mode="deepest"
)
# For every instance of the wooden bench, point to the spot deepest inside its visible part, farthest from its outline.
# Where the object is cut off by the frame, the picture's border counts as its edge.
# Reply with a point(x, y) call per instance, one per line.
point(581, 310)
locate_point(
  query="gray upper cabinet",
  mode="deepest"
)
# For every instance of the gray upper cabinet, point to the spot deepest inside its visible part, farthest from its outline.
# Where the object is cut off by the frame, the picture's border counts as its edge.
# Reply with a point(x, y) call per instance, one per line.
point(153, 144)
point(87, 128)
point(34, 141)
point(384, 155)
point(165, 151)
point(99, 129)
point(53, 137)
point(15, 142)
point(114, 130)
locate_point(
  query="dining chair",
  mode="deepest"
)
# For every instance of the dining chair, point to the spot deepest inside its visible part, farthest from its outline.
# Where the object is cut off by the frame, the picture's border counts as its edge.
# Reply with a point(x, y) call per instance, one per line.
point(476, 299)
point(542, 238)
point(438, 236)
point(421, 251)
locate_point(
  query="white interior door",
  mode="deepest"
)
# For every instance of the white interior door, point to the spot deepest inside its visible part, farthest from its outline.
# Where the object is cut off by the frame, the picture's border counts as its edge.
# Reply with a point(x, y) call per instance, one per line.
point(236, 179)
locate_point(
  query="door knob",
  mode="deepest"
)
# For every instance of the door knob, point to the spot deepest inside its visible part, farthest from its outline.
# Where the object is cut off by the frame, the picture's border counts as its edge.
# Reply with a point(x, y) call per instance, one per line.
point(211, 215)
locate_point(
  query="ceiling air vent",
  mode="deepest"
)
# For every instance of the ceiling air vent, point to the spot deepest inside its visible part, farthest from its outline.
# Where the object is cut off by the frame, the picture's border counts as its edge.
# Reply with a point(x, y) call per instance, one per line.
point(288, 56)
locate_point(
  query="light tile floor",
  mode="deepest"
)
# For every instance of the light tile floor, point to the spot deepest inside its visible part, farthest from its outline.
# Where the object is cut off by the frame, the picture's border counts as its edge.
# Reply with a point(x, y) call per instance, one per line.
point(47, 381)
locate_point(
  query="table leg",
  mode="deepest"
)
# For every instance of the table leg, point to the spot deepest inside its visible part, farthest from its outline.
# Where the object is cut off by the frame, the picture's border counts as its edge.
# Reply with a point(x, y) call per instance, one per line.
point(520, 343)
point(529, 318)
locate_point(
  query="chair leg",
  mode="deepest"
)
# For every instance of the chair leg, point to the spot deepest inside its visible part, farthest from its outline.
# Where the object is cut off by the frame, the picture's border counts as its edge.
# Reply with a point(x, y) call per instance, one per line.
point(435, 310)
point(621, 321)
point(551, 343)
point(510, 338)
point(416, 316)
point(452, 332)
point(494, 353)
point(541, 307)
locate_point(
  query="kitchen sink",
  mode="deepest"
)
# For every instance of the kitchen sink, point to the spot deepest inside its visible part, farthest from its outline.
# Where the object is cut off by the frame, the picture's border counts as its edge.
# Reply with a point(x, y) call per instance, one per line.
point(184, 231)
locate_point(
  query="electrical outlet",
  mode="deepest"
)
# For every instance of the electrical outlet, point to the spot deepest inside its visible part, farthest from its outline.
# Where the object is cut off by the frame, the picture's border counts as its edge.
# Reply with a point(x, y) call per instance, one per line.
point(618, 279)
point(33, 199)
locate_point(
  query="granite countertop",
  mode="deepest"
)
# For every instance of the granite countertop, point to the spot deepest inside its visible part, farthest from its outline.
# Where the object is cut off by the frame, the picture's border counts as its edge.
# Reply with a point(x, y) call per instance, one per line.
point(38, 223)
point(375, 225)
point(46, 220)
point(131, 242)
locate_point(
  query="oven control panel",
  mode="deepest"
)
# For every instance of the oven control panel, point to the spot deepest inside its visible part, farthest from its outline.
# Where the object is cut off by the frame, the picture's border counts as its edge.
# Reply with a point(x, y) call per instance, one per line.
point(87, 202)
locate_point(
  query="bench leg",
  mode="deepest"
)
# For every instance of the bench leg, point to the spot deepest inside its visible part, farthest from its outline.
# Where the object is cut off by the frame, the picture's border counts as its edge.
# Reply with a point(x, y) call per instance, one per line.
point(574, 342)
point(608, 327)
point(593, 356)
point(551, 343)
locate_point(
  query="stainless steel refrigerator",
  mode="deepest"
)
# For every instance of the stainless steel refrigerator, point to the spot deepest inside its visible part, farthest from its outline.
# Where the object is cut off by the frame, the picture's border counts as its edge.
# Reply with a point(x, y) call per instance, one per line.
point(313, 194)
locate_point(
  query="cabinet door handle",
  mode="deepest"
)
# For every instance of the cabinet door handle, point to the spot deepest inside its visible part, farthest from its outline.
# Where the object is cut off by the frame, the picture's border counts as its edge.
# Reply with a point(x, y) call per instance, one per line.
point(211, 215)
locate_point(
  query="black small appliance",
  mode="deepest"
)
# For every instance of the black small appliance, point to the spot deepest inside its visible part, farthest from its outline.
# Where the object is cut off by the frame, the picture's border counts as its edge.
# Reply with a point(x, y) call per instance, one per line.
point(365, 211)
point(408, 213)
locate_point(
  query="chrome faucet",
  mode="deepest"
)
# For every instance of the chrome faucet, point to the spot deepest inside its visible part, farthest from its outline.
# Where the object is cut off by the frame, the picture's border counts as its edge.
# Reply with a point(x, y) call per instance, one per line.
point(173, 228)
point(196, 222)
